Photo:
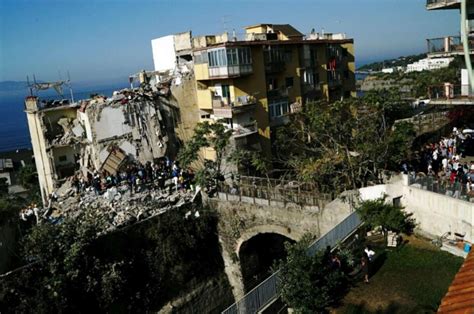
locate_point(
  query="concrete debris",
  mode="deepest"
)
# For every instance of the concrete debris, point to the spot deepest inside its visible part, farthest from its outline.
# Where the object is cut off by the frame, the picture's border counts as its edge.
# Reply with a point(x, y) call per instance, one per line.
point(135, 192)
point(119, 207)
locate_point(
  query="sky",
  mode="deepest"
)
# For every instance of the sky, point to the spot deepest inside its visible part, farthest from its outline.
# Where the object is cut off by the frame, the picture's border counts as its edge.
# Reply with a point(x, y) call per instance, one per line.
point(101, 40)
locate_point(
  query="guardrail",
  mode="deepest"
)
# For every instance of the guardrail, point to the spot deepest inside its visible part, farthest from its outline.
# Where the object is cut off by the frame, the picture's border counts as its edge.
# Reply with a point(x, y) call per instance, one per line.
point(268, 290)
point(445, 187)
point(446, 44)
point(270, 191)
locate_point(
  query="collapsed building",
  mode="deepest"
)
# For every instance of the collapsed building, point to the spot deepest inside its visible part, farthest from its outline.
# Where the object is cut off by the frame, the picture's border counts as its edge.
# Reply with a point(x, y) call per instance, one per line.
point(99, 134)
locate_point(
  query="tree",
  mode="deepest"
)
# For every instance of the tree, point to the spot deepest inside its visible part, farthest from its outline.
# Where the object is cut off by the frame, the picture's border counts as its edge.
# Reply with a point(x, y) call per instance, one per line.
point(340, 145)
point(308, 283)
point(213, 135)
point(389, 217)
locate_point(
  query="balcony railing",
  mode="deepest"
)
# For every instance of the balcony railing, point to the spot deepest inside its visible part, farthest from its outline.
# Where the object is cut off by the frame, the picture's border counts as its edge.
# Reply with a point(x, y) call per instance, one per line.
point(230, 71)
point(278, 93)
point(334, 78)
point(447, 45)
point(450, 91)
point(275, 67)
point(244, 130)
point(226, 108)
point(442, 4)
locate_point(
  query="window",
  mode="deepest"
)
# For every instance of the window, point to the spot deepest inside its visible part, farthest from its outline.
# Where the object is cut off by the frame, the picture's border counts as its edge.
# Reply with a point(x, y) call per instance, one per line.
point(244, 55)
point(62, 158)
point(278, 109)
point(289, 82)
point(311, 78)
point(225, 91)
point(397, 201)
point(232, 56)
point(200, 57)
point(288, 55)
point(217, 58)
point(272, 83)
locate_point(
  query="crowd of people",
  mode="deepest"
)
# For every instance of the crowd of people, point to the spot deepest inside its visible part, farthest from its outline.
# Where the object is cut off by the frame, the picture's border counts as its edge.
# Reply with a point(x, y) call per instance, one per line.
point(445, 164)
point(137, 177)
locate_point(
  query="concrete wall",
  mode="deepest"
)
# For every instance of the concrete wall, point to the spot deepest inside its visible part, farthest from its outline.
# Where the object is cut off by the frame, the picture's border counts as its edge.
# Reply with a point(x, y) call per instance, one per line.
point(164, 55)
point(182, 41)
point(42, 159)
point(435, 213)
point(111, 124)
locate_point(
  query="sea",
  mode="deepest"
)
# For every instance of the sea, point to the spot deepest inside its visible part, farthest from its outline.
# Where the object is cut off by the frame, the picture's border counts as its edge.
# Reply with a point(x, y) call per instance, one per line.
point(14, 133)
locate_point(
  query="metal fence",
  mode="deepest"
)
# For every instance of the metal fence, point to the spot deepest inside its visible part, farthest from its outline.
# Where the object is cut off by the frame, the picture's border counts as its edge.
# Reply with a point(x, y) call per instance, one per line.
point(268, 290)
point(440, 186)
point(283, 191)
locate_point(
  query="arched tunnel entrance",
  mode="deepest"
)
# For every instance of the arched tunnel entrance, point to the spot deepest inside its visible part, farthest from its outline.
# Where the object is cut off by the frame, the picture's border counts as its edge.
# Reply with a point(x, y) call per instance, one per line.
point(257, 256)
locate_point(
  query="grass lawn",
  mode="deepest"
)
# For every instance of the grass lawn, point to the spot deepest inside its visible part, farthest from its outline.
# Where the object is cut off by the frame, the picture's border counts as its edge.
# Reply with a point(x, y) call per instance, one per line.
point(409, 279)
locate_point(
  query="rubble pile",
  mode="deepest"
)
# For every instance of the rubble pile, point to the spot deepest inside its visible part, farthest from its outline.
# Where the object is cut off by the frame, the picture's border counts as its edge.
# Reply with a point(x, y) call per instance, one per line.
point(119, 206)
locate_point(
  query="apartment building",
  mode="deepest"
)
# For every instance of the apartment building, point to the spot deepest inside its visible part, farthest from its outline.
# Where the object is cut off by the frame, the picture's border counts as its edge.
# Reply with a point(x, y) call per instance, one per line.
point(255, 81)
point(96, 135)
point(451, 93)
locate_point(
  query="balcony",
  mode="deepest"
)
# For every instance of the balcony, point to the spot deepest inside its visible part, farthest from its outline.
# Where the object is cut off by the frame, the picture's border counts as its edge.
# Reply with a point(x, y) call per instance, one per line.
point(277, 93)
point(309, 88)
point(451, 94)
point(442, 4)
point(225, 108)
point(447, 46)
point(275, 67)
point(334, 78)
point(230, 71)
point(245, 130)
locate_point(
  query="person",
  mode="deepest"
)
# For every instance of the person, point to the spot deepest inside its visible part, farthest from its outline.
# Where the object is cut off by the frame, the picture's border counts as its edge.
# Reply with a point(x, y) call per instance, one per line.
point(335, 262)
point(365, 268)
point(369, 253)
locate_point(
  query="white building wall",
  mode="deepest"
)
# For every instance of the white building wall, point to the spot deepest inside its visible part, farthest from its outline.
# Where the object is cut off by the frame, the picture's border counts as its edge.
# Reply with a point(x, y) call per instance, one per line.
point(43, 162)
point(429, 64)
point(164, 55)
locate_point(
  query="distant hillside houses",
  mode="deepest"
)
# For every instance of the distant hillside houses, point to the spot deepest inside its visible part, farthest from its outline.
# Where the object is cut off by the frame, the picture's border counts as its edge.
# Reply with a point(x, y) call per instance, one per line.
point(428, 64)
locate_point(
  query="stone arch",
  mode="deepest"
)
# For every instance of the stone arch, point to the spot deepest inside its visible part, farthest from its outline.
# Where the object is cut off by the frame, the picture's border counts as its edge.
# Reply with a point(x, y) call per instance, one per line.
point(258, 248)
point(248, 234)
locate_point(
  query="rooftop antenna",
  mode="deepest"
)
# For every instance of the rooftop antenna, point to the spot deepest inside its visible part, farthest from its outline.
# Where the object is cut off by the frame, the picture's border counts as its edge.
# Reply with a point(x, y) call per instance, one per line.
point(225, 19)
point(70, 86)
point(29, 85)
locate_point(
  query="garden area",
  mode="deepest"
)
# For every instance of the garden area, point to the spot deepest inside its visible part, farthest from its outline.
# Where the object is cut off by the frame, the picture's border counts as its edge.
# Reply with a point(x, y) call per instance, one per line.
point(383, 268)
point(412, 278)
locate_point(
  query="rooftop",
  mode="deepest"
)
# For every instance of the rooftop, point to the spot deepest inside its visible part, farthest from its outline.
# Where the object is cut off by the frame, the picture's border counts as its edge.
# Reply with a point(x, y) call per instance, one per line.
point(442, 4)
point(460, 295)
point(285, 29)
